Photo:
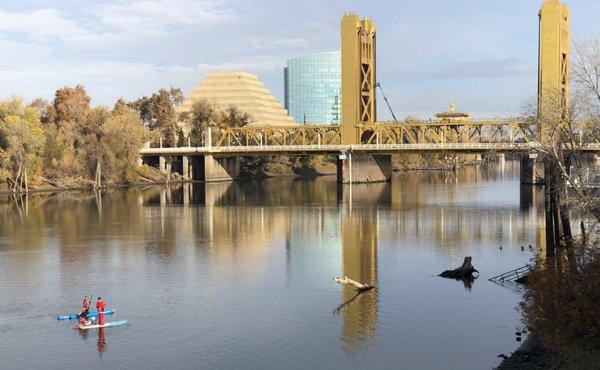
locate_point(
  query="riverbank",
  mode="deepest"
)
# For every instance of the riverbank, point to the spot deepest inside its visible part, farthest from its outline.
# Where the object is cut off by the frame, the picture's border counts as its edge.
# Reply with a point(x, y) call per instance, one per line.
point(152, 176)
point(146, 176)
point(534, 355)
point(272, 168)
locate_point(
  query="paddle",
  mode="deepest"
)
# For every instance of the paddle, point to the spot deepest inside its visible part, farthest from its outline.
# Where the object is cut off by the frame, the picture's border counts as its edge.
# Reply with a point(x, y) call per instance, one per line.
point(90, 303)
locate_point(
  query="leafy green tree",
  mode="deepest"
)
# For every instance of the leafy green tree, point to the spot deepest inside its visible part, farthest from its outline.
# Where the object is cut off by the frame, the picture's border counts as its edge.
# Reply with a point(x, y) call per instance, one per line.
point(88, 148)
point(123, 134)
point(67, 128)
point(233, 117)
point(70, 105)
point(21, 141)
point(42, 107)
point(158, 112)
point(201, 116)
point(120, 107)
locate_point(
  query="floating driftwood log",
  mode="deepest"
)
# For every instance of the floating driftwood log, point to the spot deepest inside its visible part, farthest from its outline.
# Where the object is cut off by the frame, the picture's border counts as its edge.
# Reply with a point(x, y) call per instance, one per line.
point(347, 281)
point(465, 271)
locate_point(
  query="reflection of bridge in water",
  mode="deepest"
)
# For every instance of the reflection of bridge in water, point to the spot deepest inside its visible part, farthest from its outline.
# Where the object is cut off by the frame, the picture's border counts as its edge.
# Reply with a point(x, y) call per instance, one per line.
point(253, 215)
point(416, 208)
point(282, 225)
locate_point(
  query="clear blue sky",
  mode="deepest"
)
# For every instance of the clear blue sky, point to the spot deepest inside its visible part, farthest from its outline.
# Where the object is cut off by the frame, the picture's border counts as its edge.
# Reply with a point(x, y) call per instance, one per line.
point(482, 53)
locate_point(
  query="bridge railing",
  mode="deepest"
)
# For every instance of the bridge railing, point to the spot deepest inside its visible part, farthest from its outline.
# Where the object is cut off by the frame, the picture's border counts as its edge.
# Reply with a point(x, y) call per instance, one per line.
point(276, 135)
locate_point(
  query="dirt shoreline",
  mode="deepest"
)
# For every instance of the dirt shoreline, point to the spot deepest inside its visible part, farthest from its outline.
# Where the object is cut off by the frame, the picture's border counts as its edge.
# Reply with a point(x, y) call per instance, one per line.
point(302, 174)
point(61, 189)
point(532, 354)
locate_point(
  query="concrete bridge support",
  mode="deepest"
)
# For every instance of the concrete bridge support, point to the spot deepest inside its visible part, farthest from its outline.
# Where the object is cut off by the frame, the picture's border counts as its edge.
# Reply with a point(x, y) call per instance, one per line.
point(532, 171)
point(362, 168)
point(479, 159)
point(502, 160)
point(186, 168)
point(208, 168)
point(162, 163)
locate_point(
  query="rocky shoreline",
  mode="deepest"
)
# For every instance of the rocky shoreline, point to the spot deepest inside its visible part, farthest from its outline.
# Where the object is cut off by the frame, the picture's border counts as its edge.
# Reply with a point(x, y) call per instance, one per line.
point(534, 355)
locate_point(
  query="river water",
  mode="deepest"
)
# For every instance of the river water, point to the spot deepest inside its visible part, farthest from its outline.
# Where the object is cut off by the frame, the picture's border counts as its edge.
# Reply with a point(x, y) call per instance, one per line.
point(239, 275)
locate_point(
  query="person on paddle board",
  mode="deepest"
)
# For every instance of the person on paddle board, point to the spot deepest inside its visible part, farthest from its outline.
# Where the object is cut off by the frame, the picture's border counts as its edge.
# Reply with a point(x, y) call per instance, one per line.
point(83, 320)
point(100, 305)
point(85, 310)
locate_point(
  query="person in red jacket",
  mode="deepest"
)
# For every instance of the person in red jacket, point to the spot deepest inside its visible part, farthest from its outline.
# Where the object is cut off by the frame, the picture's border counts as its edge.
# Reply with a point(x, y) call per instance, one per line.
point(100, 305)
point(85, 310)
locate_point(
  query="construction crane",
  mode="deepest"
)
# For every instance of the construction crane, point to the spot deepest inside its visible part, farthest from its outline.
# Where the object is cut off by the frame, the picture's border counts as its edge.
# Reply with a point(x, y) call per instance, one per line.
point(387, 102)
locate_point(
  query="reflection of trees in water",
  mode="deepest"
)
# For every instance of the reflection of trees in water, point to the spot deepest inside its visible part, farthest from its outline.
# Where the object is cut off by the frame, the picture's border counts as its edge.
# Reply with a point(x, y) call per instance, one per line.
point(19, 213)
point(296, 192)
point(430, 206)
point(81, 222)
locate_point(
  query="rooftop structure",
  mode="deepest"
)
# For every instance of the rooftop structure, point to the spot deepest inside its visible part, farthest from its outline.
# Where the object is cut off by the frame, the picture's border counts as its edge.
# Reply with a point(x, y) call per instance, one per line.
point(243, 91)
point(451, 115)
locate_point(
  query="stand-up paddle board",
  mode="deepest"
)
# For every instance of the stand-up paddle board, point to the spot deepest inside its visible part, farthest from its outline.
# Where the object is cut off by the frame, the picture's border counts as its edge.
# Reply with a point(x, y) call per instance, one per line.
point(91, 314)
point(106, 325)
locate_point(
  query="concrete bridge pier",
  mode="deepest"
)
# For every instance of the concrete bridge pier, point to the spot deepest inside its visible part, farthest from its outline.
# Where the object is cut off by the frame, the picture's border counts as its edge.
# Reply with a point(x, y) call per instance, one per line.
point(186, 168)
point(532, 170)
point(364, 168)
point(208, 168)
point(162, 163)
point(502, 160)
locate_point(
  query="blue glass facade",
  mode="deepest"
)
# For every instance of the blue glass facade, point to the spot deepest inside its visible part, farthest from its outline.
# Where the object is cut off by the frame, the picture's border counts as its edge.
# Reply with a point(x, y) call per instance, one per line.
point(312, 91)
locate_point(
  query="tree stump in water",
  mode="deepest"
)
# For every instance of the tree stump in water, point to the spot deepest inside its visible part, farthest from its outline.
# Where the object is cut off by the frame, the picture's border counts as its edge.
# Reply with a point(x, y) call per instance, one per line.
point(463, 272)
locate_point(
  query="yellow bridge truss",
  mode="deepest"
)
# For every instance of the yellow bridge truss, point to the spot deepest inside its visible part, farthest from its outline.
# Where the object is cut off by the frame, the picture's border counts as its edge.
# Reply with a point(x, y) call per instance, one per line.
point(475, 132)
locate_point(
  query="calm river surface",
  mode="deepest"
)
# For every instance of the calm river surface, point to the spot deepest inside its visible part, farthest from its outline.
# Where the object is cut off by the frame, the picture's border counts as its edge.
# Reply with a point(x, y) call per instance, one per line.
point(239, 275)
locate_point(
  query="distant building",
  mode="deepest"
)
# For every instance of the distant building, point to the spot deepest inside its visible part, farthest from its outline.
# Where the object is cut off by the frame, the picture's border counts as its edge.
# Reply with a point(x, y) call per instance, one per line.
point(312, 88)
point(451, 115)
point(243, 91)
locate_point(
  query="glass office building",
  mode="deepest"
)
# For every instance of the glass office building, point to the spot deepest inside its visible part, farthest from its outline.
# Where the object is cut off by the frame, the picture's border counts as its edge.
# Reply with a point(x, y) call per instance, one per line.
point(312, 91)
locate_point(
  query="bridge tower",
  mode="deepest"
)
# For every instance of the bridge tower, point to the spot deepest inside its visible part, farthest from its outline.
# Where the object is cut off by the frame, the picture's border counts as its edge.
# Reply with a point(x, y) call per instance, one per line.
point(358, 76)
point(553, 76)
point(554, 56)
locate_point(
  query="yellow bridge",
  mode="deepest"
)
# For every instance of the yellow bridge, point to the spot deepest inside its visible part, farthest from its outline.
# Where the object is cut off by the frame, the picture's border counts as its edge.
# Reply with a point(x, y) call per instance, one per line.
point(372, 142)
point(389, 138)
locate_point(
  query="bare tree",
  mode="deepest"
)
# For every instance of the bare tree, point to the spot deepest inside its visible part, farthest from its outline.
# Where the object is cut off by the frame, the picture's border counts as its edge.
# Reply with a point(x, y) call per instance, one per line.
point(563, 133)
point(586, 66)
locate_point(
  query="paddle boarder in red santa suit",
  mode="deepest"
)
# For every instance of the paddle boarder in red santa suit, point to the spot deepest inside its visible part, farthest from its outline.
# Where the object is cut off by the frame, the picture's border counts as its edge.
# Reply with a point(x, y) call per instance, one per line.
point(83, 315)
point(100, 307)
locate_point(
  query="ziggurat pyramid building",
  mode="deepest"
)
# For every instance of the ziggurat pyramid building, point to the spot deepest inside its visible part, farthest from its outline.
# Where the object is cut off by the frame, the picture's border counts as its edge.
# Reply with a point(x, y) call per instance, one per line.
point(244, 91)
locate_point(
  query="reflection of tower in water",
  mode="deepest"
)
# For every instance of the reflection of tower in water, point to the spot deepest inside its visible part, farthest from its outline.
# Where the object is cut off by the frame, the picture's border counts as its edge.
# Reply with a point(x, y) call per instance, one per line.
point(359, 260)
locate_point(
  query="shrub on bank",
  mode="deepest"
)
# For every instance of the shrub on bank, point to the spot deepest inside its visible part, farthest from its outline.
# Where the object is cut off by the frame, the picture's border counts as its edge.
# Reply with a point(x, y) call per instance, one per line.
point(562, 301)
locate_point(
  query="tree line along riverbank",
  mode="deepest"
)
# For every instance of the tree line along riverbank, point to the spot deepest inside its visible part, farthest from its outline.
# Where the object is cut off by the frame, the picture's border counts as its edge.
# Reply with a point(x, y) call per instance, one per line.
point(68, 144)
